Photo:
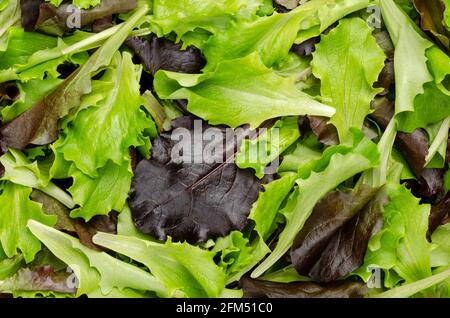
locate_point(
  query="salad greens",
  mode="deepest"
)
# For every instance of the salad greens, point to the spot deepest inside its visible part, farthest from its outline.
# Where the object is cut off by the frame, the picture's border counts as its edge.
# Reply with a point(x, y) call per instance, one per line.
point(236, 148)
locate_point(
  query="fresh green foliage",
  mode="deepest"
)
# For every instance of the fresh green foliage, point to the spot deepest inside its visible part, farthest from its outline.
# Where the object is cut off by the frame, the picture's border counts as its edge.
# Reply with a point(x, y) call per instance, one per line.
point(98, 274)
point(337, 164)
point(16, 210)
point(182, 268)
point(260, 152)
point(239, 92)
point(348, 72)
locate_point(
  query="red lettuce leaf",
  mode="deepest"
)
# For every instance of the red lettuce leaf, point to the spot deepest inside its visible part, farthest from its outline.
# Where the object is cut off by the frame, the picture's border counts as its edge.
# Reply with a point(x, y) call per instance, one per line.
point(160, 53)
point(191, 201)
point(263, 289)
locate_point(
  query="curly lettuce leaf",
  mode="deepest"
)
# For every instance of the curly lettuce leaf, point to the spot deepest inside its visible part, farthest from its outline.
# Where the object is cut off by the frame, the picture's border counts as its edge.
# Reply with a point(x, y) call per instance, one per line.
point(239, 92)
point(260, 152)
point(348, 72)
point(238, 255)
point(205, 17)
point(120, 122)
point(273, 36)
point(102, 194)
point(9, 16)
point(420, 95)
point(32, 55)
point(16, 210)
point(98, 274)
point(337, 164)
point(401, 246)
point(40, 124)
point(265, 210)
point(184, 269)
point(19, 170)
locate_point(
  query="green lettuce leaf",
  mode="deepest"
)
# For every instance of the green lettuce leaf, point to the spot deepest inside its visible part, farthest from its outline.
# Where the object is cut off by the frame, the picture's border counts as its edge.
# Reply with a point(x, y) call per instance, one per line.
point(19, 170)
point(16, 210)
point(41, 122)
point(339, 163)
point(440, 254)
point(182, 268)
point(411, 289)
point(238, 255)
point(202, 16)
point(273, 36)
point(420, 94)
point(260, 152)
point(102, 194)
point(98, 274)
point(239, 92)
point(266, 209)
point(410, 50)
point(30, 93)
point(120, 122)
point(9, 16)
point(401, 246)
point(31, 55)
point(348, 72)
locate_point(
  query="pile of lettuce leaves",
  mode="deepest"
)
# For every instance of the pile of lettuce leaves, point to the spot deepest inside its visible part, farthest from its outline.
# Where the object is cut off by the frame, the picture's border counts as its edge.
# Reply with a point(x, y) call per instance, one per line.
point(345, 102)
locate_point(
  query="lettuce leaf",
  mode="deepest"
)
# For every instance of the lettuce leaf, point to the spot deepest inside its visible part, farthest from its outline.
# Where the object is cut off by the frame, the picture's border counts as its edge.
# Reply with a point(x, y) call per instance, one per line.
point(348, 72)
point(420, 95)
point(260, 152)
point(182, 268)
point(30, 93)
point(339, 163)
point(185, 16)
point(9, 16)
point(16, 210)
point(40, 124)
point(265, 210)
point(401, 246)
point(121, 123)
point(102, 194)
point(273, 36)
point(19, 170)
point(98, 274)
point(238, 92)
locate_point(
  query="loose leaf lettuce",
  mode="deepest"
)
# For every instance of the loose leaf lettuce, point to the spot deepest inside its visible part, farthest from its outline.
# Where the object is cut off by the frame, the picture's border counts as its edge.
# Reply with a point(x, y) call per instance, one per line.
point(30, 93)
point(239, 92)
point(260, 152)
point(121, 123)
point(265, 210)
point(9, 16)
point(401, 245)
point(181, 267)
point(19, 170)
point(348, 72)
point(39, 125)
point(98, 274)
point(16, 209)
point(102, 194)
point(82, 4)
point(420, 95)
point(210, 16)
point(273, 36)
point(337, 164)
